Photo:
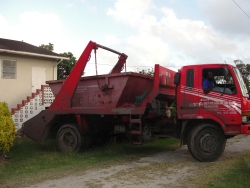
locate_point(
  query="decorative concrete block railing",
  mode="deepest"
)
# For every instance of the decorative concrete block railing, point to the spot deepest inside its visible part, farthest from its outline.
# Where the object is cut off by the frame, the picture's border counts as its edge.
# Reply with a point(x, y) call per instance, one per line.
point(32, 106)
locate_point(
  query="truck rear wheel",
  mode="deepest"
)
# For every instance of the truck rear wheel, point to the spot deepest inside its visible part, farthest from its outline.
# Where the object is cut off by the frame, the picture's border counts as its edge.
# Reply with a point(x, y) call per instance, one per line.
point(206, 142)
point(69, 138)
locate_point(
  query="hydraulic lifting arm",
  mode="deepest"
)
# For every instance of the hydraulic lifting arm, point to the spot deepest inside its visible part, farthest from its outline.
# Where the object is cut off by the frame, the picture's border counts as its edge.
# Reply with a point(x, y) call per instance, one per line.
point(64, 96)
point(121, 61)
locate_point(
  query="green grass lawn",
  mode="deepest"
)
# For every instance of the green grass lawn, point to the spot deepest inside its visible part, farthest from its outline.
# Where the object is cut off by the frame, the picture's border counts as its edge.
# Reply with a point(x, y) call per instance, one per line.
point(235, 174)
point(34, 162)
point(229, 173)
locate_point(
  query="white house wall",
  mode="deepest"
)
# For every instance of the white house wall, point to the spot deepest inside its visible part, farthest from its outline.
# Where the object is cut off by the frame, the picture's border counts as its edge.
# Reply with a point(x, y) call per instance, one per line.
point(13, 91)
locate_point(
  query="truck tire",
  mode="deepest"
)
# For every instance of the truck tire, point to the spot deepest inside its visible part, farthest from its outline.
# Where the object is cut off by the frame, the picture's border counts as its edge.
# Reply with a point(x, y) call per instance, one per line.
point(206, 142)
point(69, 138)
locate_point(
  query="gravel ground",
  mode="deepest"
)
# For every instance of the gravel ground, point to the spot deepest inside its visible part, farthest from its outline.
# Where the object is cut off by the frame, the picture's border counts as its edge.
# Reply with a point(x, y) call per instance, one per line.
point(165, 169)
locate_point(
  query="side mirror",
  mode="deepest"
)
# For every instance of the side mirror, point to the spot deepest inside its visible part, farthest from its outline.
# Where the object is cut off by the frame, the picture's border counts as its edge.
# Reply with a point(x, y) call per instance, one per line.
point(177, 78)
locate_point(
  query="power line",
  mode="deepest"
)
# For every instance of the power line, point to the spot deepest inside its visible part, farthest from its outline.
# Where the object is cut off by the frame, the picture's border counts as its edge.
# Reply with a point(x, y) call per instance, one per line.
point(241, 9)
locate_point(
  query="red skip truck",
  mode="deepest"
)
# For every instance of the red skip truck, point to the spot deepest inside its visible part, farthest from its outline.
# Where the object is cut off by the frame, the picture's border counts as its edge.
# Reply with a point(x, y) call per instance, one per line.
point(87, 109)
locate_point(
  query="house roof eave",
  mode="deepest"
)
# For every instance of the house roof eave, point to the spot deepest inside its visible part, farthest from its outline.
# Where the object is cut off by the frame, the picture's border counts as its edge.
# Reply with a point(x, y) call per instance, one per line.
point(34, 54)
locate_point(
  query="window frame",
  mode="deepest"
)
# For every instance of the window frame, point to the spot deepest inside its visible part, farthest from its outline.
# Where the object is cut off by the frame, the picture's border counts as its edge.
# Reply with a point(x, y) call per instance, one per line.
point(220, 81)
point(13, 74)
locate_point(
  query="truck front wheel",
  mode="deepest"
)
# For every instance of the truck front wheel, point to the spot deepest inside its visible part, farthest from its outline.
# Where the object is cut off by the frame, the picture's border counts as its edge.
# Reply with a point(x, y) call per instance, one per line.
point(69, 138)
point(206, 142)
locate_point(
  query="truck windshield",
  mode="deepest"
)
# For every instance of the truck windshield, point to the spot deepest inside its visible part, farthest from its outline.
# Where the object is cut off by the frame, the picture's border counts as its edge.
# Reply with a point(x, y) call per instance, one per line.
point(241, 82)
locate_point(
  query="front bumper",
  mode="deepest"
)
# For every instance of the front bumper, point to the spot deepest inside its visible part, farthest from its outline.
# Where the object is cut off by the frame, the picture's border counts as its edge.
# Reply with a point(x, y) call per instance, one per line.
point(245, 129)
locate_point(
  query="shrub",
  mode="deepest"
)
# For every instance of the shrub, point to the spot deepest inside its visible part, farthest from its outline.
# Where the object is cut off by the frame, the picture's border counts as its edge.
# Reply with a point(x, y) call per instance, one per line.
point(7, 128)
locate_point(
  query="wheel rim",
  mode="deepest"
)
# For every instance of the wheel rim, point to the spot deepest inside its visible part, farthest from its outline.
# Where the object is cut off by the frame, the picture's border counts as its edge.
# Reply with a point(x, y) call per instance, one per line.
point(69, 140)
point(208, 143)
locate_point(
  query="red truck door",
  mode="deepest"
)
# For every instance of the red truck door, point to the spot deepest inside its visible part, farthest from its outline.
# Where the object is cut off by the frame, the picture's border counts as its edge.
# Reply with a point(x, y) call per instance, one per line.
point(188, 96)
point(224, 101)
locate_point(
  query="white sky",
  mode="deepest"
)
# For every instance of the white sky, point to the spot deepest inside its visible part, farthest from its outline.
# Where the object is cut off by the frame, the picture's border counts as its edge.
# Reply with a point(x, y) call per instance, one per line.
point(171, 33)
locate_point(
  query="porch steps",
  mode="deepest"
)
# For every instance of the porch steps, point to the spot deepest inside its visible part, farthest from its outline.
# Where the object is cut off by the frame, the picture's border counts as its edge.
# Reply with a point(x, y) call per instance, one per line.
point(32, 105)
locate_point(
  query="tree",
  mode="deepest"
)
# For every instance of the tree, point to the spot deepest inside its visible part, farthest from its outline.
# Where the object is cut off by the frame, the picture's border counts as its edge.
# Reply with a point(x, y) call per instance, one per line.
point(65, 66)
point(149, 71)
point(49, 46)
point(245, 71)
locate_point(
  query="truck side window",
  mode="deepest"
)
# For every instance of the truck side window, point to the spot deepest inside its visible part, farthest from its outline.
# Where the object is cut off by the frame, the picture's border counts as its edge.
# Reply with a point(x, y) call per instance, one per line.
point(190, 78)
point(223, 79)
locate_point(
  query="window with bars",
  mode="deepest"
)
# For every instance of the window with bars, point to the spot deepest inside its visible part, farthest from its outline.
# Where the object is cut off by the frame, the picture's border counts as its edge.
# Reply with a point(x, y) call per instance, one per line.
point(8, 69)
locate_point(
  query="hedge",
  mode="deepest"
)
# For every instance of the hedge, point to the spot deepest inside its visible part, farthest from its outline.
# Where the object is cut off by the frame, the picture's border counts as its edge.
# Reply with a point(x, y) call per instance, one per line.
point(7, 128)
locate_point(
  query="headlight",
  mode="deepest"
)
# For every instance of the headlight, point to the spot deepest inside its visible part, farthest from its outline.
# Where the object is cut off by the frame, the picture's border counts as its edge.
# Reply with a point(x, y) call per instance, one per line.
point(244, 119)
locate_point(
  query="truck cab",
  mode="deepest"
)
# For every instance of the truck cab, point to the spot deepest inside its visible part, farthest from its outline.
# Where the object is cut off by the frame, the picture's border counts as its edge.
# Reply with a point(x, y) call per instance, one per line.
point(208, 119)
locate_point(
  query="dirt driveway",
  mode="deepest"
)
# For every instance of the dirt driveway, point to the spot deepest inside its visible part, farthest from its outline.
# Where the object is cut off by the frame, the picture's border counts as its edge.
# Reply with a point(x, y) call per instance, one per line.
point(165, 169)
